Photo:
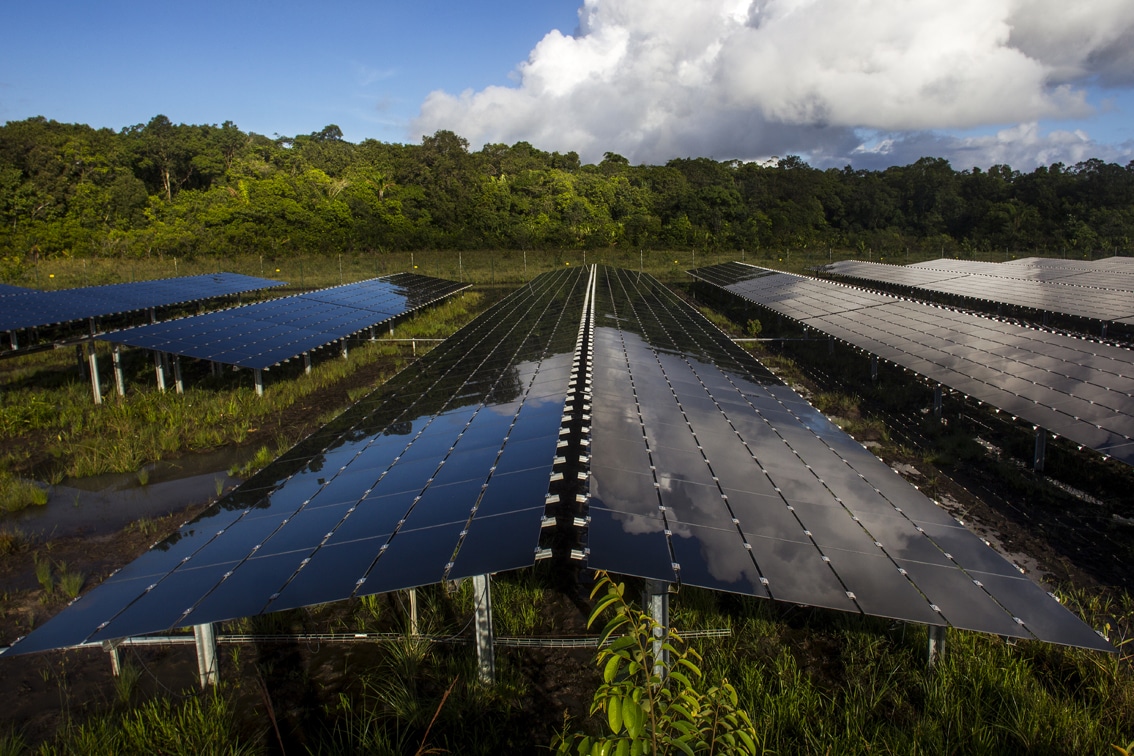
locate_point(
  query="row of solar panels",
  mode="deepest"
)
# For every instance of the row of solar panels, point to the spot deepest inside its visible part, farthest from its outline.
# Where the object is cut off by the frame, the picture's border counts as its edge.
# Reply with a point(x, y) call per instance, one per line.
point(1101, 296)
point(33, 308)
point(703, 469)
point(1075, 388)
point(264, 334)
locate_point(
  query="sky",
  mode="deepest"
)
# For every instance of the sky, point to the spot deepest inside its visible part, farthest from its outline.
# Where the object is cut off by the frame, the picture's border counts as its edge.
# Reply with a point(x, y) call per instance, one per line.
point(866, 83)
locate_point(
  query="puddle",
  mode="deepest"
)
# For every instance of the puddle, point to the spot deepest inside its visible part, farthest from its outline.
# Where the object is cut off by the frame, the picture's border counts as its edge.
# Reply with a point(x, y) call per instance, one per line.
point(105, 504)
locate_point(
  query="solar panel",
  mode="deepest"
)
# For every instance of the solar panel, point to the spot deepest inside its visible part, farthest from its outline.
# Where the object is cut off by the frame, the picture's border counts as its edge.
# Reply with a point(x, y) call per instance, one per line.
point(36, 309)
point(755, 492)
point(703, 469)
point(264, 334)
point(6, 289)
point(442, 473)
point(1078, 389)
point(1097, 295)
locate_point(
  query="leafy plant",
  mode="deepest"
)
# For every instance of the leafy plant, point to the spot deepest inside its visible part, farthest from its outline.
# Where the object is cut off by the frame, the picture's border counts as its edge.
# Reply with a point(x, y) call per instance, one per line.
point(652, 706)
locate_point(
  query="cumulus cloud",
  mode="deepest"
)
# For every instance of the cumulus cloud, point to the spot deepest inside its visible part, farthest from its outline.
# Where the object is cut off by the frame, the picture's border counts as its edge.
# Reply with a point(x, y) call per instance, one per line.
point(656, 79)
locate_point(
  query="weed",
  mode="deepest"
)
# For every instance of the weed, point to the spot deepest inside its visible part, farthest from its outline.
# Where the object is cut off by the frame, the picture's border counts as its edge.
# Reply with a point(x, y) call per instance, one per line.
point(126, 684)
point(12, 540)
point(12, 744)
point(43, 574)
point(70, 583)
point(17, 494)
point(143, 476)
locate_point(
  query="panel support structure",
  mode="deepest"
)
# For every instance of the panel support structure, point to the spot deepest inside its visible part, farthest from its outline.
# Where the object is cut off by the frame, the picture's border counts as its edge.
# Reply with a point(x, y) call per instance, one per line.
point(179, 385)
point(159, 369)
point(937, 399)
point(1041, 450)
point(119, 376)
point(414, 628)
point(485, 653)
point(206, 639)
point(115, 657)
point(96, 389)
point(874, 367)
point(656, 599)
point(307, 362)
point(936, 644)
point(258, 379)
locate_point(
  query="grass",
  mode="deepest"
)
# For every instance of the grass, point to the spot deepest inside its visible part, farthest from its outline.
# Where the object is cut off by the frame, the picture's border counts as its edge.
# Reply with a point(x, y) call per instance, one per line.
point(814, 682)
point(17, 493)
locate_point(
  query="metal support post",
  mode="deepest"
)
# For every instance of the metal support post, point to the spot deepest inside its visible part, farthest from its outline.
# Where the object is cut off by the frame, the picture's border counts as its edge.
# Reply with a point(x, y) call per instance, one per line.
point(12, 337)
point(177, 382)
point(936, 644)
point(307, 363)
point(1041, 450)
point(657, 601)
point(258, 379)
point(115, 657)
point(206, 639)
point(119, 376)
point(344, 349)
point(414, 628)
point(937, 401)
point(96, 389)
point(485, 655)
point(830, 346)
point(159, 369)
point(874, 367)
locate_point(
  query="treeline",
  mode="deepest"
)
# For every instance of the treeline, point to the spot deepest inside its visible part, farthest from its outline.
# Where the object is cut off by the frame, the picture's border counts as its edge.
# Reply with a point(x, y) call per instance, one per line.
point(175, 189)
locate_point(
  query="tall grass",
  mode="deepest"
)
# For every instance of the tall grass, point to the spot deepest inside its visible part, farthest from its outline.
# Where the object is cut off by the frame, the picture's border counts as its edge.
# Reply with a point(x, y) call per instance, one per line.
point(198, 724)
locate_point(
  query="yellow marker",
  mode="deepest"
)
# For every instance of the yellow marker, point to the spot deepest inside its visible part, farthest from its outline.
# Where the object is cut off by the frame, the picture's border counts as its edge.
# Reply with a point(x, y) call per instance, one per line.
point(51, 275)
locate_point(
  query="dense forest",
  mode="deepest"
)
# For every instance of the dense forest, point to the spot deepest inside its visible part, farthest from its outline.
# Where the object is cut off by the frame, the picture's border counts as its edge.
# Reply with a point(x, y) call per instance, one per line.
point(173, 189)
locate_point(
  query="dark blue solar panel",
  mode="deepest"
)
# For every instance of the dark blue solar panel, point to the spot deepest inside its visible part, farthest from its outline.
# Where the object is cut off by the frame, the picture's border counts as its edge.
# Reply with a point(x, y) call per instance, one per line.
point(265, 334)
point(43, 308)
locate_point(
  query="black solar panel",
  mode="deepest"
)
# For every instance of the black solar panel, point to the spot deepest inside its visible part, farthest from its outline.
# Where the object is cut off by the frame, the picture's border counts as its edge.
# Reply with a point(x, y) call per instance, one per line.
point(36, 309)
point(265, 334)
point(707, 471)
point(1098, 295)
point(441, 474)
point(6, 289)
point(703, 469)
point(1075, 388)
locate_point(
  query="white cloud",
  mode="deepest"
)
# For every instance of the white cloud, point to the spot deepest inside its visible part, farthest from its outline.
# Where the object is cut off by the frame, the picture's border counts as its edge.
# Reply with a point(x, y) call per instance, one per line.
point(1022, 147)
point(655, 79)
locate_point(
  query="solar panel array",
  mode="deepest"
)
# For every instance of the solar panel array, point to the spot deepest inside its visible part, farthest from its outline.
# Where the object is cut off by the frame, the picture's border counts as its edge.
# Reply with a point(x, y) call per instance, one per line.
point(264, 334)
point(1078, 389)
point(706, 470)
point(1114, 274)
point(702, 469)
point(34, 308)
point(442, 473)
point(1051, 290)
point(6, 289)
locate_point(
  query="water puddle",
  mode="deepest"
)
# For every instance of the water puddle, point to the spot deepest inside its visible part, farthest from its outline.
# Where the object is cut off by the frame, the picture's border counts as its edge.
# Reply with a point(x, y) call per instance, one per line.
point(105, 504)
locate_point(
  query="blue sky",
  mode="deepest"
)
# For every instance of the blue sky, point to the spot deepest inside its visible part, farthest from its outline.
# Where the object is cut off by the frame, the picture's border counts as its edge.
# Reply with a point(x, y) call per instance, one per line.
point(867, 82)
